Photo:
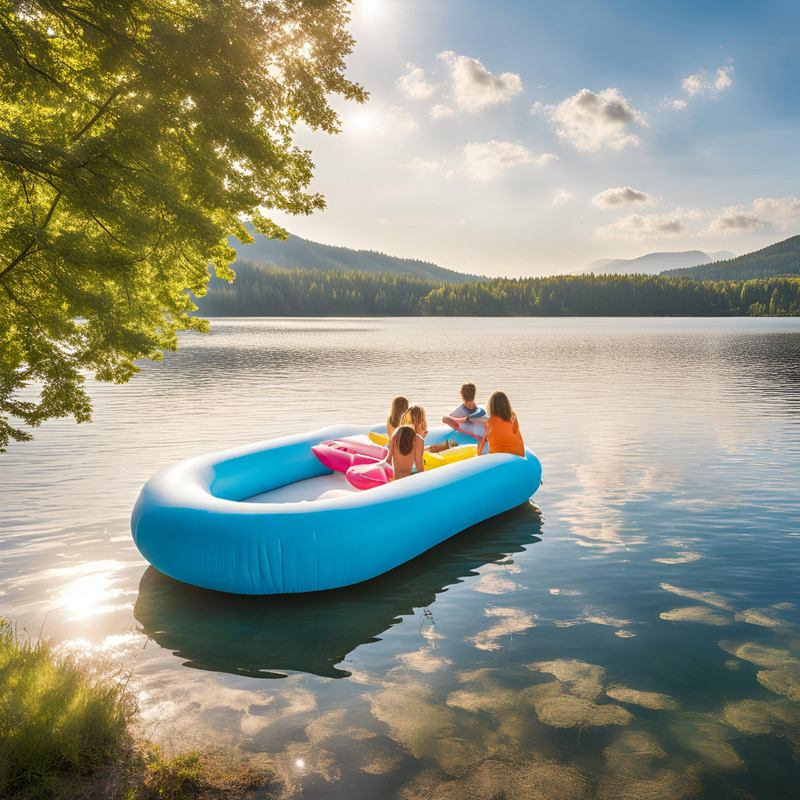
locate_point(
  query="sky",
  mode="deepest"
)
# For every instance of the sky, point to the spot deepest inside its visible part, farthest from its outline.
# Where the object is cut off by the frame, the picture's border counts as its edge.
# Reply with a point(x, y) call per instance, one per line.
point(527, 138)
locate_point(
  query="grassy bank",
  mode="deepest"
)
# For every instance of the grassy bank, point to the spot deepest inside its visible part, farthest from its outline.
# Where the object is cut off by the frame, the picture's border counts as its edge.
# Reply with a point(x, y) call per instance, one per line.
point(67, 731)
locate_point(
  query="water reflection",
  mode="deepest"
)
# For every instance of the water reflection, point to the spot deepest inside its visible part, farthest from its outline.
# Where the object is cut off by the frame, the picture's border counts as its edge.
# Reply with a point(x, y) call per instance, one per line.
point(263, 637)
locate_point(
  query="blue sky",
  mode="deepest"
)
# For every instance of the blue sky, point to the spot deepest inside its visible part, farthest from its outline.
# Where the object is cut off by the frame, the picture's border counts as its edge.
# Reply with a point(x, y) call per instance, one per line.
point(523, 138)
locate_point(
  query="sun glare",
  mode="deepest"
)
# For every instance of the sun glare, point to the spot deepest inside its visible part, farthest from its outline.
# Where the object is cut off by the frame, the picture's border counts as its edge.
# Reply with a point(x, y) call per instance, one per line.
point(369, 9)
point(360, 122)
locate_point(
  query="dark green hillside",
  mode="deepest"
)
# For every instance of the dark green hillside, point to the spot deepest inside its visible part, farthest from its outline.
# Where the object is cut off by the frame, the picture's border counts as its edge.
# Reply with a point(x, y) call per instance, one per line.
point(297, 253)
point(778, 259)
point(261, 290)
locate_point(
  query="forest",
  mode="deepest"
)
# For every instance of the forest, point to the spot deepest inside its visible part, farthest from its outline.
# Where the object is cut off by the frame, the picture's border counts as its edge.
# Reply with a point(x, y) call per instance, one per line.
point(780, 259)
point(261, 290)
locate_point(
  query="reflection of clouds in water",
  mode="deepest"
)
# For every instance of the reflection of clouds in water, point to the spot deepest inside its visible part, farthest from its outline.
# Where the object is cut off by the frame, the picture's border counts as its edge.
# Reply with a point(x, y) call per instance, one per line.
point(476, 737)
point(512, 620)
point(495, 583)
point(566, 592)
point(722, 612)
point(568, 701)
point(710, 598)
point(381, 763)
point(496, 578)
point(624, 634)
point(423, 660)
point(782, 670)
point(426, 727)
point(700, 614)
point(765, 717)
point(593, 616)
point(780, 673)
point(554, 706)
point(534, 778)
point(581, 679)
point(610, 477)
point(637, 768)
point(766, 617)
point(652, 700)
point(197, 711)
point(430, 633)
point(686, 557)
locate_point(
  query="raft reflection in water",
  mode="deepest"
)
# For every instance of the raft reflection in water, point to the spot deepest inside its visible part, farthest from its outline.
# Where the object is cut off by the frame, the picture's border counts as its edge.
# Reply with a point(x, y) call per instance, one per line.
point(262, 637)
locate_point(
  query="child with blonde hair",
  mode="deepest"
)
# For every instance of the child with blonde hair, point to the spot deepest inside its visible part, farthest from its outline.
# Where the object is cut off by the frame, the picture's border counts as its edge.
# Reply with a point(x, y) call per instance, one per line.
point(502, 427)
point(415, 417)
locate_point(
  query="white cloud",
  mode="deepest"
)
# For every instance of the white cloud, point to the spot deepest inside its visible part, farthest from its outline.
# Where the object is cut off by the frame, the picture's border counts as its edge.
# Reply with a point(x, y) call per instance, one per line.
point(723, 79)
point(701, 84)
point(781, 212)
point(488, 160)
point(695, 84)
point(588, 120)
point(422, 166)
point(650, 226)
point(561, 196)
point(414, 85)
point(439, 111)
point(675, 105)
point(621, 196)
point(734, 219)
point(474, 87)
point(400, 121)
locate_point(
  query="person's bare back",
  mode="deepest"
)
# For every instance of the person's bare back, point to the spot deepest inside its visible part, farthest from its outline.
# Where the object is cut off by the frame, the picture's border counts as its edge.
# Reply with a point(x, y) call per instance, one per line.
point(405, 451)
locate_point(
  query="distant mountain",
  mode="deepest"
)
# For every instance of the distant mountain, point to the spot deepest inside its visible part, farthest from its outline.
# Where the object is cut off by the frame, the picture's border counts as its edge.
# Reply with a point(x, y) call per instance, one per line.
point(297, 253)
point(774, 261)
point(598, 265)
point(653, 263)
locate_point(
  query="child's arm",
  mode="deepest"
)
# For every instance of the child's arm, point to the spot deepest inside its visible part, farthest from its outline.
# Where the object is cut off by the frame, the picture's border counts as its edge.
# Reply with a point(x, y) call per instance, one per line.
point(418, 451)
point(391, 452)
point(485, 436)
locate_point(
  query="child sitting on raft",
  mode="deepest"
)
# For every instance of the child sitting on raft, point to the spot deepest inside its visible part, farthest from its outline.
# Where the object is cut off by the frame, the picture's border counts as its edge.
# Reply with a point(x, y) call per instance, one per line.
point(399, 408)
point(502, 427)
point(405, 452)
point(415, 417)
point(469, 417)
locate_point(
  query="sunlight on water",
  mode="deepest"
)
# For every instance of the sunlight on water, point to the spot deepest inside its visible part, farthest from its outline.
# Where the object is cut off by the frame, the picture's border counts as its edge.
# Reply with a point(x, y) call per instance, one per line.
point(634, 634)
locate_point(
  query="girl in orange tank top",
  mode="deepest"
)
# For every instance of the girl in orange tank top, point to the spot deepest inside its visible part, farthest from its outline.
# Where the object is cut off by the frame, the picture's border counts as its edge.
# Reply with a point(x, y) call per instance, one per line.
point(502, 427)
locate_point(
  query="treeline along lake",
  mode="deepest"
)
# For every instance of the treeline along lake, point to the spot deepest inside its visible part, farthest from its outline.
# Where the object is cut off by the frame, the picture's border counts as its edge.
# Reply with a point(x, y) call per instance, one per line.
point(267, 290)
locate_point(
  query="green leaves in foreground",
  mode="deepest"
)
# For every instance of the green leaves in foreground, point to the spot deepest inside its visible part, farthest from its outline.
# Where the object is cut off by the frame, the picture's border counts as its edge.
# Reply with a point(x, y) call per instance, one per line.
point(134, 138)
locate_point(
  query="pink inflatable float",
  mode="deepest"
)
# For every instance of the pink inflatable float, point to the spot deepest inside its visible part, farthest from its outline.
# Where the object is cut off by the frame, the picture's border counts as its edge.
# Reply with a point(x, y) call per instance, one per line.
point(341, 454)
point(368, 476)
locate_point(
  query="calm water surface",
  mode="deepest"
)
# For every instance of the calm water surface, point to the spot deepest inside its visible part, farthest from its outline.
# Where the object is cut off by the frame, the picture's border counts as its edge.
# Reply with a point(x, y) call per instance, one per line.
point(634, 634)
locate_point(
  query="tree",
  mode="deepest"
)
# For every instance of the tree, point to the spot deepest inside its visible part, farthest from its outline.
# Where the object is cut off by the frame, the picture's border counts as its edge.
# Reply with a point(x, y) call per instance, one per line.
point(135, 137)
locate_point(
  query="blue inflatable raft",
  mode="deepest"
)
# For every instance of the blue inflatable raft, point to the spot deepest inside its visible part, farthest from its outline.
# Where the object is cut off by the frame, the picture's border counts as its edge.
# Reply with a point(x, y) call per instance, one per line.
point(269, 518)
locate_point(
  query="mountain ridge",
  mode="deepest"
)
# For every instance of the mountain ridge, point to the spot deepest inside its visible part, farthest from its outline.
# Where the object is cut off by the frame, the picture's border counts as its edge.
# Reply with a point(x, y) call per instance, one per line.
point(779, 259)
point(653, 263)
point(299, 253)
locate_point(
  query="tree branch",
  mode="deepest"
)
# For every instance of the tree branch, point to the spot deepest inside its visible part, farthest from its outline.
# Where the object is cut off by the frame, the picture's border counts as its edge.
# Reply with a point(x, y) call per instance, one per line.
point(100, 111)
point(32, 242)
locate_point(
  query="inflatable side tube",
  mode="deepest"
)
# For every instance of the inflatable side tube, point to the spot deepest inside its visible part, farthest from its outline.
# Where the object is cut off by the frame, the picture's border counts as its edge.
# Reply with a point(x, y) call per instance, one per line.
point(190, 521)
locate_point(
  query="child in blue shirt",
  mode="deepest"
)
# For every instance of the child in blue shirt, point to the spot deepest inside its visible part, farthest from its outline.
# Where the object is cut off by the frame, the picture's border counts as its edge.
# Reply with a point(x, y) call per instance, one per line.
point(469, 417)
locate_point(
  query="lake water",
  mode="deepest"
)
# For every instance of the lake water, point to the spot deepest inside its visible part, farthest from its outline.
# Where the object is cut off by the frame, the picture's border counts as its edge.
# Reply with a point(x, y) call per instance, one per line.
point(635, 634)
